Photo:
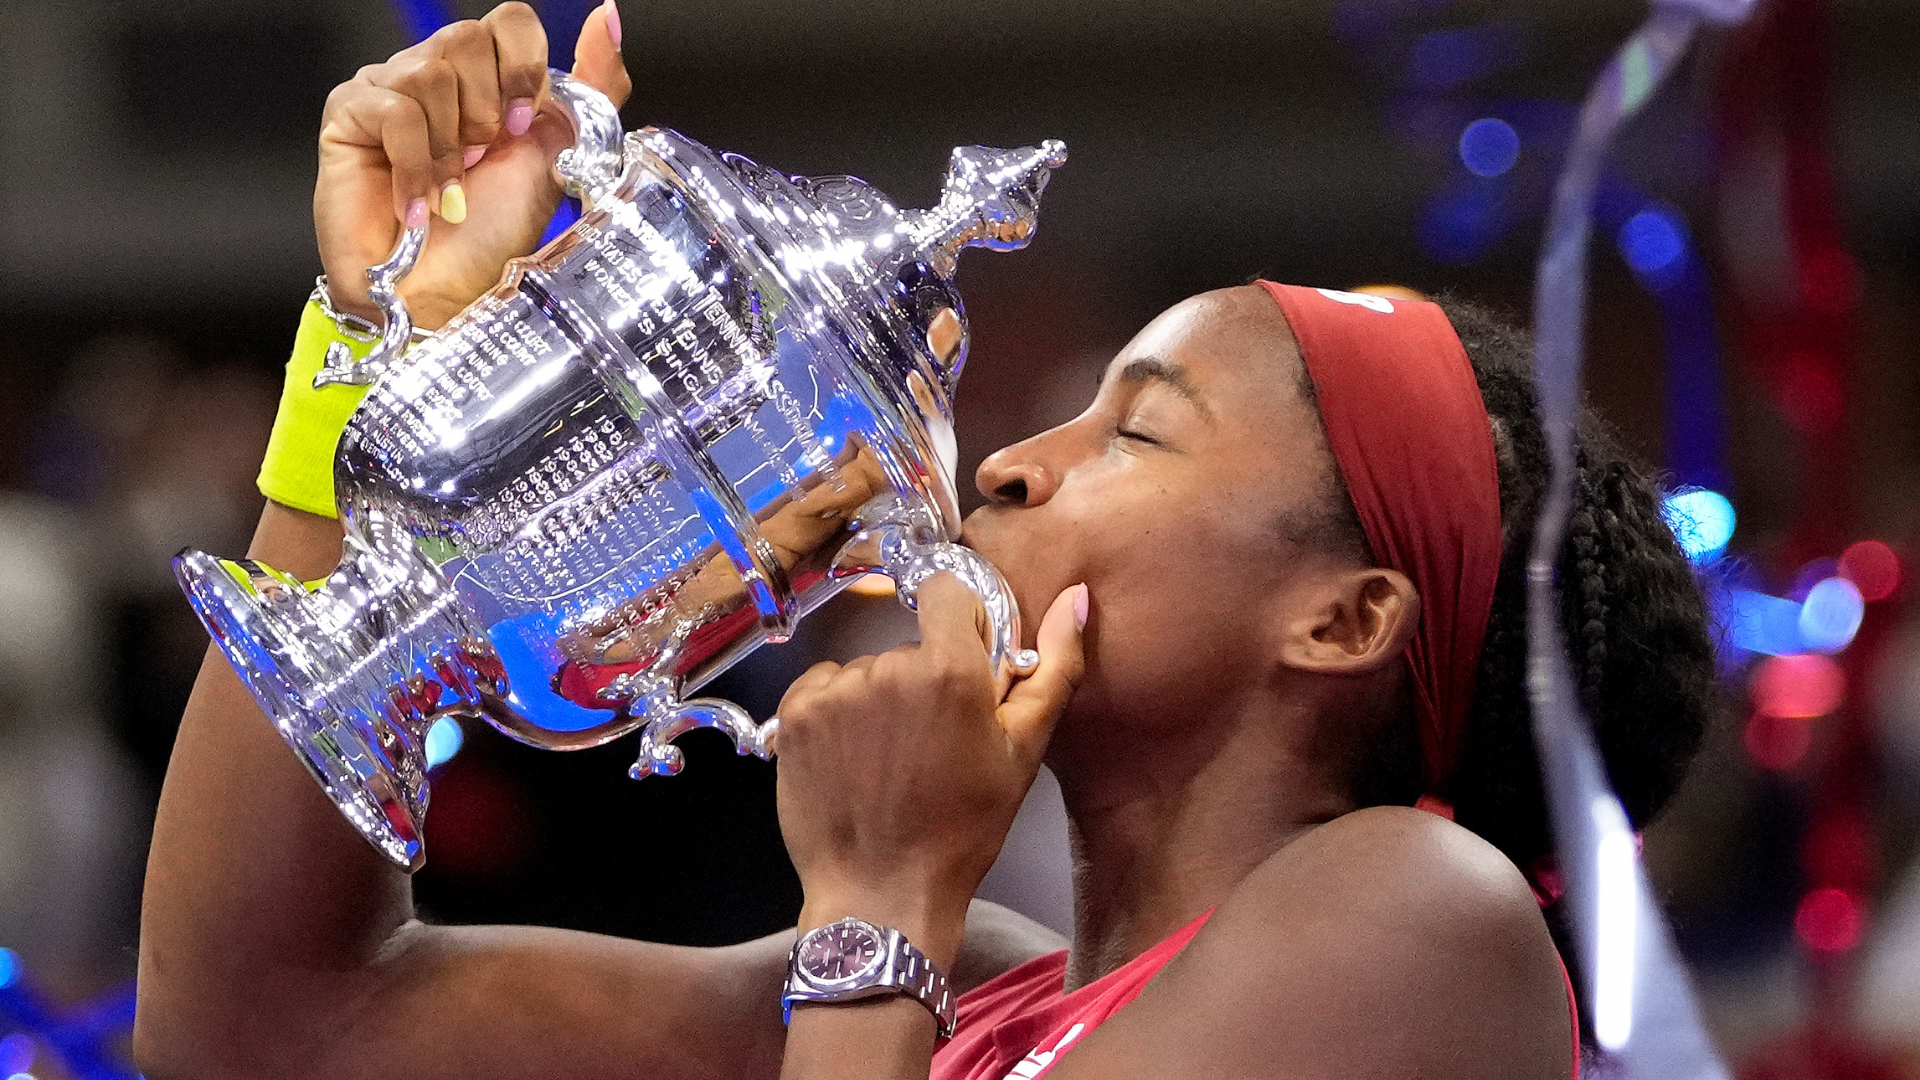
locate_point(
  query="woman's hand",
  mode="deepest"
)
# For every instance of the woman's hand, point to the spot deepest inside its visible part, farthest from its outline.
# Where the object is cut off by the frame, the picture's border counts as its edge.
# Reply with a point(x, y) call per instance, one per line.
point(900, 774)
point(452, 127)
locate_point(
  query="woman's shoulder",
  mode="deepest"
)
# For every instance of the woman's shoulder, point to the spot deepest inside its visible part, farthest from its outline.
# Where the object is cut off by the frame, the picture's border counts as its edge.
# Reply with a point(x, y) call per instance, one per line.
point(1394, 875)
point(1408, 855)
point(1389, 936)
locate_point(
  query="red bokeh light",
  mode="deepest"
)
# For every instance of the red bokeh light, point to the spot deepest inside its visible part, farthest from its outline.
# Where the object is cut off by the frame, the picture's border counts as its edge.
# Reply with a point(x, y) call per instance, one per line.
point(1810, 395)
point(1829, 920)
point(1797, 686)
point(1873, 568)
point(1829, 281)
point(1776, 743)
point(1838, 849)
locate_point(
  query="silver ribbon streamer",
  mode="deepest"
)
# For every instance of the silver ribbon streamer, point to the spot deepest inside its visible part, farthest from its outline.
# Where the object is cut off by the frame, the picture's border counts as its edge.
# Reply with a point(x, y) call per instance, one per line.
point(1646, 1020)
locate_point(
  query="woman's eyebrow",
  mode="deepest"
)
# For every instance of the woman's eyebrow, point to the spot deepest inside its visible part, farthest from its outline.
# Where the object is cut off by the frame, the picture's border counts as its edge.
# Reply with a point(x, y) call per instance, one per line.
point(1161, 370)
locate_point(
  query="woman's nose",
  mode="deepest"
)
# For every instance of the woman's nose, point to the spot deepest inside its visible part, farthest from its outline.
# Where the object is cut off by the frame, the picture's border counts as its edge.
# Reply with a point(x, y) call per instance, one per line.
point(1015, 476)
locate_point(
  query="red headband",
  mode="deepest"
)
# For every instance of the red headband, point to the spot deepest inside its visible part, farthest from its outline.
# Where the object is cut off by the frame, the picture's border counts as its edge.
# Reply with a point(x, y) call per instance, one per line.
point(1407, 426)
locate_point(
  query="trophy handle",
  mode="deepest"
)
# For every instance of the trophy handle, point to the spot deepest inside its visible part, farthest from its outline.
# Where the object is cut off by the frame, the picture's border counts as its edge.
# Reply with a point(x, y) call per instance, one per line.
point(588, 170)
point(910, 561)
point(670, 718)
point(593, 164)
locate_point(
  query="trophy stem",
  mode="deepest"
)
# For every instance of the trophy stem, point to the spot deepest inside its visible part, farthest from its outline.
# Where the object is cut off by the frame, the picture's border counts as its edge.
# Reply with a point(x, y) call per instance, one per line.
point(352, 673)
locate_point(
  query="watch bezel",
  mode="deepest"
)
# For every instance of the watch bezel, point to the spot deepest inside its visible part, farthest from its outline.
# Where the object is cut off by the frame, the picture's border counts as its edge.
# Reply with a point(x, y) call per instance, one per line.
point(874, 964)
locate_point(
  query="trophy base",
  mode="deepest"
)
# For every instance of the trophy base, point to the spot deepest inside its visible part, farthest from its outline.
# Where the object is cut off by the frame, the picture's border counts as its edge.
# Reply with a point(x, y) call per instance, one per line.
point(339, 717)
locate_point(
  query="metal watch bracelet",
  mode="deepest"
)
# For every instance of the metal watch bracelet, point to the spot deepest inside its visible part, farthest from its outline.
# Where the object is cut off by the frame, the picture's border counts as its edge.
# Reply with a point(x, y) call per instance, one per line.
point(885, 962)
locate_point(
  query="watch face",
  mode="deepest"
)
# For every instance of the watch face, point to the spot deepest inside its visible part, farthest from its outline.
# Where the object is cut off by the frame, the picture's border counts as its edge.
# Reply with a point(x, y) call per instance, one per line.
point(838, 952)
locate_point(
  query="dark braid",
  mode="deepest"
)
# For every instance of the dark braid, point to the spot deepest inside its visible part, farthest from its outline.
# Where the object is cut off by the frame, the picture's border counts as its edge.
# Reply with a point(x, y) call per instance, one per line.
point(1589, 581)
point(1631, 609)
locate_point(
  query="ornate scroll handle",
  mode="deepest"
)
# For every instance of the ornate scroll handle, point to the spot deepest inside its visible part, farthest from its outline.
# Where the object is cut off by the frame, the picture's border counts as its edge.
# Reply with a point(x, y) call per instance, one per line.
point(588, 170)
point(910, 561)
point(672, 719)
point(991, 198)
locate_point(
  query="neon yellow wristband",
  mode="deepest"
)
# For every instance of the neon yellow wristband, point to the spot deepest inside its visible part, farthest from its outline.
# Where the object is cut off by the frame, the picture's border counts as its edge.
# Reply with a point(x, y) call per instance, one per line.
point(298, 469)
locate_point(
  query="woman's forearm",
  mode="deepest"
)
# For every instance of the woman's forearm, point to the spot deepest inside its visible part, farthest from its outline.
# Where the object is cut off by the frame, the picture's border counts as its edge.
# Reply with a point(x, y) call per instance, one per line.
point(263, 910)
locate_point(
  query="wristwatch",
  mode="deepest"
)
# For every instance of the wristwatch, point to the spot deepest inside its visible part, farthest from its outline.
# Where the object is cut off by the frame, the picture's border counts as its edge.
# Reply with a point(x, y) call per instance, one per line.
point(853, 959)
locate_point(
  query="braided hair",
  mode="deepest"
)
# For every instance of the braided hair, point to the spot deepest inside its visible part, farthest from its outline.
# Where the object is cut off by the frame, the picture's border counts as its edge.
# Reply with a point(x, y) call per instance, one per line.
point(1632, 613)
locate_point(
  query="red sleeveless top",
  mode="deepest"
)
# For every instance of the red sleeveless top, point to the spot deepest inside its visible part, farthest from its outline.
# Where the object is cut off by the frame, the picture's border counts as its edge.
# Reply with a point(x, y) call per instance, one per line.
point(1015, 1026)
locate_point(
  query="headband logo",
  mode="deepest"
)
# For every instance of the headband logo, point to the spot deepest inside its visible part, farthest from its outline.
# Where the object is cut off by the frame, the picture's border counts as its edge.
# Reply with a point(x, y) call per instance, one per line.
point(1372, 303)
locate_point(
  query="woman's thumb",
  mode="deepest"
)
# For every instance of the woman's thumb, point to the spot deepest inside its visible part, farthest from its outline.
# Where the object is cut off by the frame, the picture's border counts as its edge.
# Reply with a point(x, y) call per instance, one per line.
point(596, 54)
point(1036, 702)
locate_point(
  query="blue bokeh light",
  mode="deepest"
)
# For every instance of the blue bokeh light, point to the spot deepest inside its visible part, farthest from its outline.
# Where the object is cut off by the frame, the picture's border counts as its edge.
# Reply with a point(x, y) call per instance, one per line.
point(1489, 146)
point(1653, 239)
point(1761, 623)
point(443, 741)
point(1830, 615)
point(1701, 520)
point(16, 1054)
point(9, 968)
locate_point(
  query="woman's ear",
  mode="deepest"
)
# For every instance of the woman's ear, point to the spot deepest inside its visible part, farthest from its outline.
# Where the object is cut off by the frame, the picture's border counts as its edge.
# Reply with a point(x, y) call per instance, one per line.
point(1353, 622)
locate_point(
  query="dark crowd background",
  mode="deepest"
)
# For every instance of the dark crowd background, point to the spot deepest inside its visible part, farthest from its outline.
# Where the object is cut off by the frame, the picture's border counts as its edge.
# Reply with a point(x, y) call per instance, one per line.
point(156, 162)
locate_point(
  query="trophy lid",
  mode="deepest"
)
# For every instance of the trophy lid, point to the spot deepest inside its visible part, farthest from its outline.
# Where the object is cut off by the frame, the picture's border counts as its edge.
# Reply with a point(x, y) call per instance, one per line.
point(877, 278)
point(990, 198)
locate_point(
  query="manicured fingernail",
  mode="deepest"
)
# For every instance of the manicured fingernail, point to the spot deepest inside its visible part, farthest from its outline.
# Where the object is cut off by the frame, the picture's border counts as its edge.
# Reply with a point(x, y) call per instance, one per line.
point(472, 157)
point(519, 116)
point(613, 22)
point(417, 214)
point(453, 203)
point(1080, 608)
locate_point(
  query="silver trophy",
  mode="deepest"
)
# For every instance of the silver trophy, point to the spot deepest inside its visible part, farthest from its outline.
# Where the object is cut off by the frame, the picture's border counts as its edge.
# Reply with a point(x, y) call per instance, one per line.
point(688, 421)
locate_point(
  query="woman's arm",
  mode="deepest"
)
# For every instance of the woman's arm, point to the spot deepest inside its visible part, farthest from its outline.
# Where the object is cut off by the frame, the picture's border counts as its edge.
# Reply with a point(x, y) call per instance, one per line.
point(899, 777)
point(277, 942)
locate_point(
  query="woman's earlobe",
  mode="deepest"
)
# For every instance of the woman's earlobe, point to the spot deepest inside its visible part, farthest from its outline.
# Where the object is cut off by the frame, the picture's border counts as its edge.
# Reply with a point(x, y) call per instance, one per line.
point(1360, 621)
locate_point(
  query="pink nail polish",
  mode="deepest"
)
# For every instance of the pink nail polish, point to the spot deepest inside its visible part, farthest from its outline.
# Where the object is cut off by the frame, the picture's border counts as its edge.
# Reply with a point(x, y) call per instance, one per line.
point(1080, 608)
point(519, 116)
point(417, 214)
point(613, 22)
point(472, 157)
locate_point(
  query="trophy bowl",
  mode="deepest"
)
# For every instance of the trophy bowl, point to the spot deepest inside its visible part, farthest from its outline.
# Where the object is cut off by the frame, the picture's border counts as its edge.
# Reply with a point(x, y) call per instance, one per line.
point(682, 425)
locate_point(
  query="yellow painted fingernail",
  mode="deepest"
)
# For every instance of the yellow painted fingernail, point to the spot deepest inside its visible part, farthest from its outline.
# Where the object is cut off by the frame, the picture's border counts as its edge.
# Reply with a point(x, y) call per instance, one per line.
point(453, 203)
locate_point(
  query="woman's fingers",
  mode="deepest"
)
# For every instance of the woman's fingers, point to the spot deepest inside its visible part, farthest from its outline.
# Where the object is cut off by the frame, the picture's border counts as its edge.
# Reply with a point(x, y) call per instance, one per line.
point(596, 54)
point(431, 83)
point(469, 47)
point(520, 52)
point(812, 679)
point(1035, 703)
point(397, 125)
point(953, 626)
point(435, 107)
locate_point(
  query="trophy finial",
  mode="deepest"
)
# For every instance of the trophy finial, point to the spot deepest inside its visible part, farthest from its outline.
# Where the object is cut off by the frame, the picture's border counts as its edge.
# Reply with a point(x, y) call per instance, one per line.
point(991, 199)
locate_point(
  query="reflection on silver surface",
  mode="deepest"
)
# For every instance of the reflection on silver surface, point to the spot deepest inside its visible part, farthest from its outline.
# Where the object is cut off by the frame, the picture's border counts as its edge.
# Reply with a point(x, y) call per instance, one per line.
point(654, 446)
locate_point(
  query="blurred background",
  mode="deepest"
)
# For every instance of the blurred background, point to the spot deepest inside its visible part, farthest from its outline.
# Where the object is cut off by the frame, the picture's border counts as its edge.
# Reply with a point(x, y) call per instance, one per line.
point(1754, 330)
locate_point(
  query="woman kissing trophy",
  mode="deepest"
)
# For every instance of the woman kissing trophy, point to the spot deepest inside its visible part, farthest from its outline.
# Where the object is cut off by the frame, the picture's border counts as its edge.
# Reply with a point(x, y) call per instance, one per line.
point(657, 443)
